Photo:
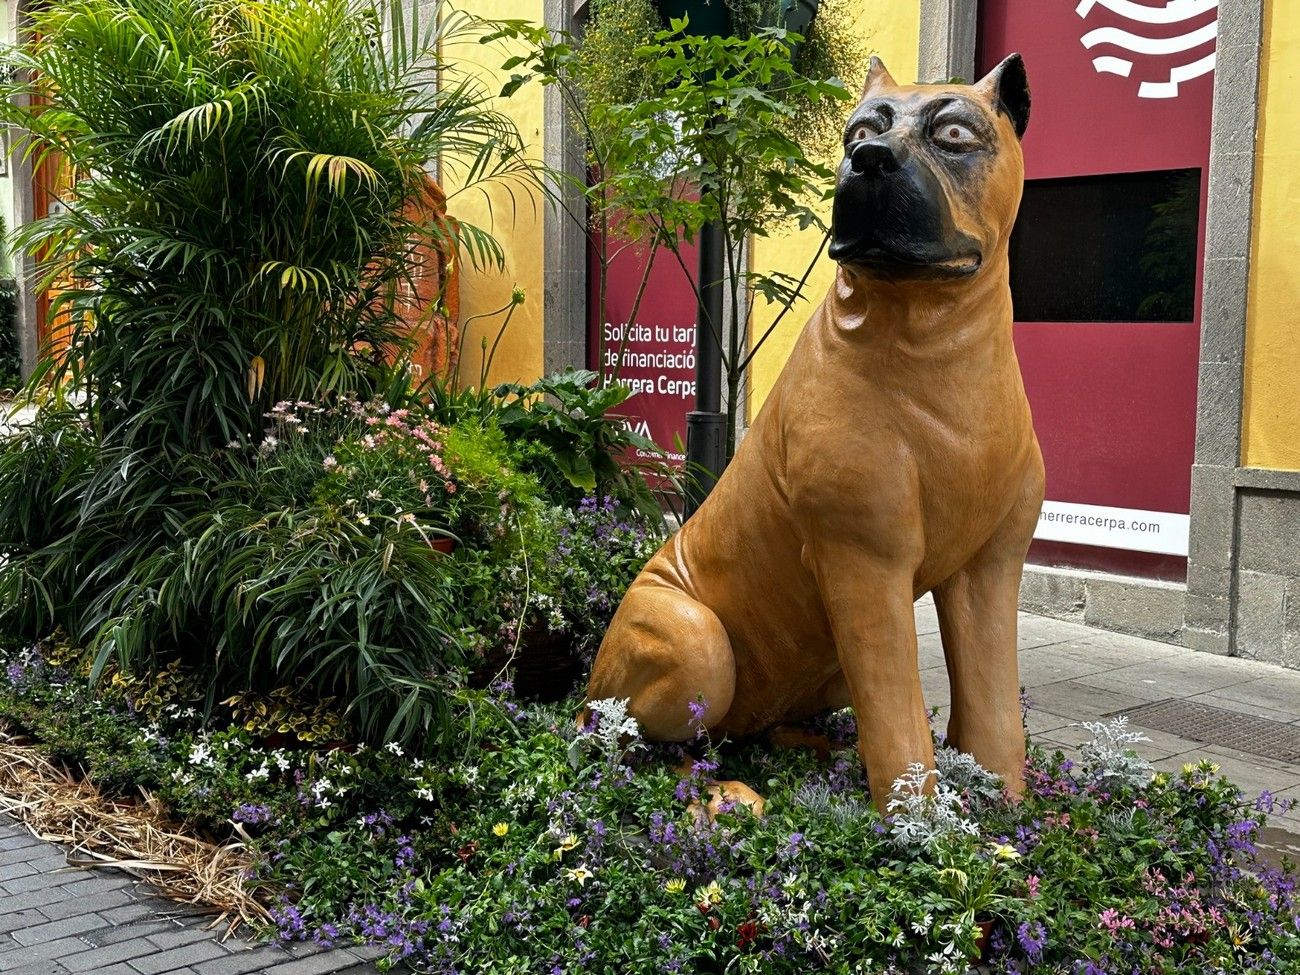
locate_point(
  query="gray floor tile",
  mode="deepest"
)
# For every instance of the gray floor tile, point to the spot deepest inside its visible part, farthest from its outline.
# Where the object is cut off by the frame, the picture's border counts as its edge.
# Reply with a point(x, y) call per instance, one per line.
point(1052, 664)
point(1037, 631)
point(1080, 700)
point(934, 685)
point(186, 956)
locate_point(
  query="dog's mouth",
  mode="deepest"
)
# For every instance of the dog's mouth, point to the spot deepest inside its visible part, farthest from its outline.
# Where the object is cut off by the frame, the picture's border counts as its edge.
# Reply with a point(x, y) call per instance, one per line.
point(894, 264)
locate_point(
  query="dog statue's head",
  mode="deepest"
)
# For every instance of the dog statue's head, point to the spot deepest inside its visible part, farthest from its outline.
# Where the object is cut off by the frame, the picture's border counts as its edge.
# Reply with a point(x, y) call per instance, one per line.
point(932, 175)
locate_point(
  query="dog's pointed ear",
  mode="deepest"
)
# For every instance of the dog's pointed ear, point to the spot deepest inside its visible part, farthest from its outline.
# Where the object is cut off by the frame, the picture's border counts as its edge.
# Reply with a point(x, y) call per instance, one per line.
point(1007, 89)
point(878, 77)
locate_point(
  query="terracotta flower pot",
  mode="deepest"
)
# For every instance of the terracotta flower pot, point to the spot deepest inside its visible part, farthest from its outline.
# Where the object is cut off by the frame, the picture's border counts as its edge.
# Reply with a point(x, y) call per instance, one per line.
point(444, 545)
point(982, 940)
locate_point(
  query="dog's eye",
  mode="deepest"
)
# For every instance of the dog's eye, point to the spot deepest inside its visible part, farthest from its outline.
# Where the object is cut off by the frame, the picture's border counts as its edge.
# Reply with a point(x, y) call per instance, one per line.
point(862, 133)
point(954, 136)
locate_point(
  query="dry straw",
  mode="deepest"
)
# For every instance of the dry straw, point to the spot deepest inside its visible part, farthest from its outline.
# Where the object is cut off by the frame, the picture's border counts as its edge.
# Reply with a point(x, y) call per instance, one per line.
point(134, 836)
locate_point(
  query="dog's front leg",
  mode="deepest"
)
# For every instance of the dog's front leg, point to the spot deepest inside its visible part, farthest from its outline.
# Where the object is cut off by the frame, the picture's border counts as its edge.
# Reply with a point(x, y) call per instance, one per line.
point(869, 603)
point(977, 619)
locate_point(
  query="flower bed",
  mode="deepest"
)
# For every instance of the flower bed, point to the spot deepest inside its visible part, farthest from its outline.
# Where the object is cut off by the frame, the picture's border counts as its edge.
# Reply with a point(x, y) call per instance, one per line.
point(542, 847)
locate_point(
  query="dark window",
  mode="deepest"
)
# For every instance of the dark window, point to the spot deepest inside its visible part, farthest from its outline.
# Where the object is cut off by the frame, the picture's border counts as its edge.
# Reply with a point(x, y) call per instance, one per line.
point(1114, 248)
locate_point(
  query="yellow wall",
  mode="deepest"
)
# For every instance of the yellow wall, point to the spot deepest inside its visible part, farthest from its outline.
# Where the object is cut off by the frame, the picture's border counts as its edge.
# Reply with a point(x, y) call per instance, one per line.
point(1271, 422)
point(892, 28)
point(516, 224)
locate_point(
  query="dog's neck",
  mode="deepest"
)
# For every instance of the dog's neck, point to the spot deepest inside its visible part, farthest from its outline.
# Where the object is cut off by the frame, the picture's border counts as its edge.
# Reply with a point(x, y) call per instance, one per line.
point(924, 313)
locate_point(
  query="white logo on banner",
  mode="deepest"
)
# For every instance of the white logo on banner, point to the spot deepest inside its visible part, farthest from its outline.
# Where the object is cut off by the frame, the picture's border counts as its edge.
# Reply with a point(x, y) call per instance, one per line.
point(1186, 67)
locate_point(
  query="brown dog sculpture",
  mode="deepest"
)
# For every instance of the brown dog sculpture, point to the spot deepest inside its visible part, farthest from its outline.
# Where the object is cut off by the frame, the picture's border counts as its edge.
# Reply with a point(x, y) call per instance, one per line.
point(894, 456)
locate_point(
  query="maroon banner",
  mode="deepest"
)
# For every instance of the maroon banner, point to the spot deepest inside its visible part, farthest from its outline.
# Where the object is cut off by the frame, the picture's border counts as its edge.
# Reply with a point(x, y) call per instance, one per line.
point(1119, 87)
point(655, 353)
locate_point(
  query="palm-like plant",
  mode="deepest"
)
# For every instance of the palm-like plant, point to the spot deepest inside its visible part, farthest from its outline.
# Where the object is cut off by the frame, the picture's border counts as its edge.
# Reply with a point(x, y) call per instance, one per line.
point(235, 227)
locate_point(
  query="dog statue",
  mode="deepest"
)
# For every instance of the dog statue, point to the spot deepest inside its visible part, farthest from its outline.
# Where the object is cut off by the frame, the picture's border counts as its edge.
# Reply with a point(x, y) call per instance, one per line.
point(895, 456)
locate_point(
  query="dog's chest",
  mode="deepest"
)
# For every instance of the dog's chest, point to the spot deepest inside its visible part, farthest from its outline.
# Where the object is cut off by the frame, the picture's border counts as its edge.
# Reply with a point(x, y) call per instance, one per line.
point(931, 474)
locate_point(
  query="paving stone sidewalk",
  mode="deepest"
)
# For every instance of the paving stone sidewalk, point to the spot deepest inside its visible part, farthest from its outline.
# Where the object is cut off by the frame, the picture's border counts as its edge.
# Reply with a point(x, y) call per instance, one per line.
point(56, 920)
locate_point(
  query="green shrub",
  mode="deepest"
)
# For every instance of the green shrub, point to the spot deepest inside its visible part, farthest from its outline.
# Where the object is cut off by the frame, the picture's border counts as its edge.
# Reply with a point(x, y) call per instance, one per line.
point(589, 447)
point(598, 550)
point(236, 224)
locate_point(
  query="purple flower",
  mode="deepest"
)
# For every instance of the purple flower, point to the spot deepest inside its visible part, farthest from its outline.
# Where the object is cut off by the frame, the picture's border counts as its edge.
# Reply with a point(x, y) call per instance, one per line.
point(288, 922)
point(252, 814)
point(1033, 939)
point(698, 709)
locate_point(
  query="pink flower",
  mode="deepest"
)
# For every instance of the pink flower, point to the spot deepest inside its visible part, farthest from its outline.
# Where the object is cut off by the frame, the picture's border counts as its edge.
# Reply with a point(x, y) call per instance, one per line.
point(1033, 881)
point(1113, 921)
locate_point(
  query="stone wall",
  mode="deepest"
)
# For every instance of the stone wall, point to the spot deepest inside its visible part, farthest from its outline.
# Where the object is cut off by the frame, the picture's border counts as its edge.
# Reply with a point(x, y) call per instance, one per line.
point(1268, 576)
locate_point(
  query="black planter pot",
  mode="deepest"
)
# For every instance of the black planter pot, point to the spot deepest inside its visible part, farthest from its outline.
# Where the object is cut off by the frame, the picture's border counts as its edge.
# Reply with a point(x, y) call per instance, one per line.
point(714, 16)
point(706, 16)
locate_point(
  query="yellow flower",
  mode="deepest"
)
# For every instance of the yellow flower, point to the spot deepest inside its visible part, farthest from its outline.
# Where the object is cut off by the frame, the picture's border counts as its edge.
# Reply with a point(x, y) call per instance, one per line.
point(580, 874)
point(1189, 768)
point(501, 829)
point(1161, 779)
point(675, 886)
point(712, 894)
point(1004, 851)
point(570, 842)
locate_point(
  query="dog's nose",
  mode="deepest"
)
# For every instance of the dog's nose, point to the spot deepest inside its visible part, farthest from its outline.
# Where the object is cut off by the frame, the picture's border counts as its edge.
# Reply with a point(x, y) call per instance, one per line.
point(875, 158)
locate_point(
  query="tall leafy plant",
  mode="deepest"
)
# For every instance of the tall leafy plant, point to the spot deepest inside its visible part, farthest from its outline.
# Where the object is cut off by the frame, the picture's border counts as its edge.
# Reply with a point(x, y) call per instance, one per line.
point(236, 219)
point(685, 130)
point(724, 121)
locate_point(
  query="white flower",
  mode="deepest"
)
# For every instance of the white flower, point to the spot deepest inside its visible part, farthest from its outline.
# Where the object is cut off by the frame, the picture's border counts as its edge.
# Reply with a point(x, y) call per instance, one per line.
point(260, 772)
point(425, 793)
point(330, 463)
point(578, 874)
point(373, 494)
point(923, 925)
point(201, 754)
point(395, 748)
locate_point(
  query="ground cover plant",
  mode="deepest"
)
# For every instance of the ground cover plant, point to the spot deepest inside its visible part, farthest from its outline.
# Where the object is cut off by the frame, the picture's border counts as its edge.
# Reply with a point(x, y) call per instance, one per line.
point(544, 847)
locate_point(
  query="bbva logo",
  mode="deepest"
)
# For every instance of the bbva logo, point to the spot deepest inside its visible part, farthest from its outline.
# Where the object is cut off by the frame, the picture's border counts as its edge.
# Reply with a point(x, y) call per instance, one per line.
point(1175, 57)
point(643, 428)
